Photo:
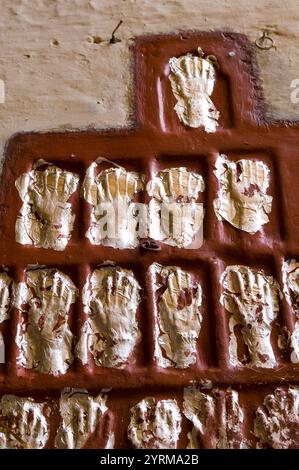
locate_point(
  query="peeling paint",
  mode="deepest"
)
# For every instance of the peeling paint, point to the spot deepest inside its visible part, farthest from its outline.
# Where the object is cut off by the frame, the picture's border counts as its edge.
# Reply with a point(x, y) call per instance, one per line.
point(111, 297)
point(192, 81)
point(43, 336)
point(155, 424)
point(253, 300)
point(178, 316)
point(23, 423)
point(176, 218)
point(290, 276)
point(45, 219)
point(81, 416)
point(114, 220)
point(276, 423)
point(5, 286)
point(242, 197)
point(217, 419)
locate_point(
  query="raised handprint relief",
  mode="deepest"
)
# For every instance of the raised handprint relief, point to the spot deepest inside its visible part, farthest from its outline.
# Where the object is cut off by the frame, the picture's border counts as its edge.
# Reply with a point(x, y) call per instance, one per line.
point(175, 216)
point(23, 423)
point(115, 215)
point(85, 421)
point(217, 419)
point(192, 81)
point(5, 305)
point(5, 296)
point(242, 197)
point(45, 219)
point(290, 276)
point(178, 316)
point(111, 297)
point(155, 424)
point(253, 299)
point(44, 337)
point(276, 422)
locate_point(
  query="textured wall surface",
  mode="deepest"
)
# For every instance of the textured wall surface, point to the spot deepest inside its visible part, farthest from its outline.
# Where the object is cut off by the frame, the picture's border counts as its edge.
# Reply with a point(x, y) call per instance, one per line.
point(61, 72)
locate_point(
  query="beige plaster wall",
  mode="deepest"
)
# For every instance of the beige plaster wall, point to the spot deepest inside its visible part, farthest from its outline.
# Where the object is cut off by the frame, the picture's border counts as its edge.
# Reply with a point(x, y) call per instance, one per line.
point(60, 71)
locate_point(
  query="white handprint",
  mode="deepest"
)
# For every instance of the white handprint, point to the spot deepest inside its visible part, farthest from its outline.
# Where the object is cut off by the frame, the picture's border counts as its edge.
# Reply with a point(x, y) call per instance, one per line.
point(111, 297)
point(192, 80)
point(155, 424)
point(114, 220)
point(82, 417)
point(217, 419)
point(242, 198)
point(44, 337)
point(175, 215)
point(46, 218)
point(276, 423)
point(23, 423)
point(290, 275)
point(253, 300)
point(5, 286)
point(178, 317)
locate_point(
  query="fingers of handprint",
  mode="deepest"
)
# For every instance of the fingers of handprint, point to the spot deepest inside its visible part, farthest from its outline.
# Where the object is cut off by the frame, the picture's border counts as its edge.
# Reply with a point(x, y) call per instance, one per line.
point(253, 286)
point(118, 288)
point(275, 402)
point(31, 424)
point(46, 216)
point(5, 284)
point(100, 431)
point(177, 282)
point(262, 419)
point(155, 424)
point(233, 410)
point(277, 420)
point(292, 402)
point(216, 415)
point(116, 183)
point(100, 186)
point(186, 66)
point(252, 173)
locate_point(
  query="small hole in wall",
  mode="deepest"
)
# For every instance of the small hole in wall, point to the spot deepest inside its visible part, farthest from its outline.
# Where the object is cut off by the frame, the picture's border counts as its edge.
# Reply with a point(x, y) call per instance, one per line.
point(54, 42)
point(95, 39)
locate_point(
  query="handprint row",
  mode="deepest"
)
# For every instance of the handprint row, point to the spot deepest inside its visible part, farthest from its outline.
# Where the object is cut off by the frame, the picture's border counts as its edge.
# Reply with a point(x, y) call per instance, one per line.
point(174, 214)
point(111, 300)
point(217, 418)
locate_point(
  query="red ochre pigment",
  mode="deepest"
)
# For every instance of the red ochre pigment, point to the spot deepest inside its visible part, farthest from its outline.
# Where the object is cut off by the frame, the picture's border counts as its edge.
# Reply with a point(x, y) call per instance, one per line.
point(158, 140)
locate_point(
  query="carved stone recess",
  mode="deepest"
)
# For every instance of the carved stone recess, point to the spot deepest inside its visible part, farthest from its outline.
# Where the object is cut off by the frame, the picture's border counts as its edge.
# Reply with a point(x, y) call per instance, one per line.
point(123, 304)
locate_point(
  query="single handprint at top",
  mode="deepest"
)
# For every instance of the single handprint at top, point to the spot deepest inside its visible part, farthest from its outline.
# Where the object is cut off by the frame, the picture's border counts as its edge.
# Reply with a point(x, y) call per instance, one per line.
point(114, 217)
point(276, 423)
point(111, 297)
point(253, 299)
point(46, 219)
point(242, 198)
point(192, 80)
point(155, 424)
point(178, 317)
point(44, 338)
point(23, 423)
